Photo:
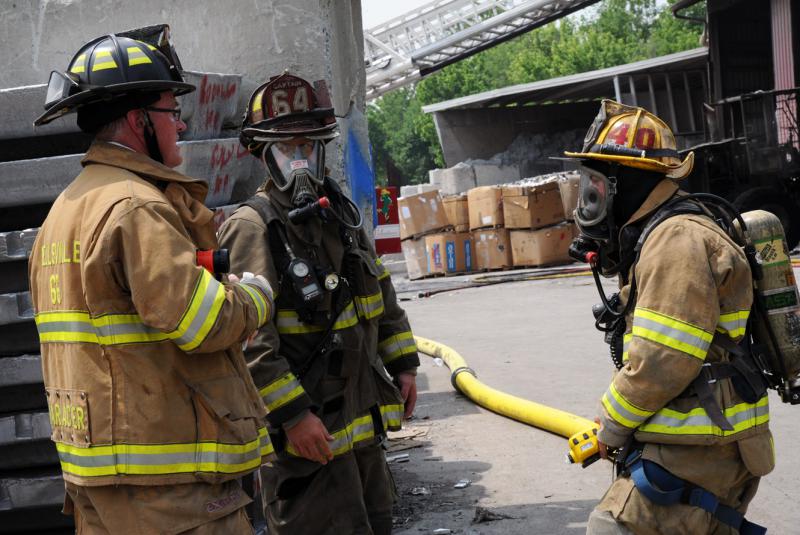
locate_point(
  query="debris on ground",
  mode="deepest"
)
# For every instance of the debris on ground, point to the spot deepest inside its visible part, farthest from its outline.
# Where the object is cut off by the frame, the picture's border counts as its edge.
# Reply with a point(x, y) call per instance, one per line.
point(407, 438)
point(485, 515)
point(399, 458)
point(441, 531)
point(420, 491)
point(462, 484)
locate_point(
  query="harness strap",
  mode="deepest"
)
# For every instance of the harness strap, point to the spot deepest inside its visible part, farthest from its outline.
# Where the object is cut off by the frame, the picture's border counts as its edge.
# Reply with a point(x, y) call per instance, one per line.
point(664, 488)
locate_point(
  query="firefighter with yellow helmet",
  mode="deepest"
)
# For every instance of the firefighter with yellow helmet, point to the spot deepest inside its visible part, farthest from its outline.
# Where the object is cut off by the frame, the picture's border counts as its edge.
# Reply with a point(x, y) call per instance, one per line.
point(337, 368)
point(686, 416)
point(154, 414)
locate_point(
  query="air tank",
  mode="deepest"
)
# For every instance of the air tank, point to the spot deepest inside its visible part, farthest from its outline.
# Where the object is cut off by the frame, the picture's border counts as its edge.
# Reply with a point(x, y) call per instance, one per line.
point(777, 291)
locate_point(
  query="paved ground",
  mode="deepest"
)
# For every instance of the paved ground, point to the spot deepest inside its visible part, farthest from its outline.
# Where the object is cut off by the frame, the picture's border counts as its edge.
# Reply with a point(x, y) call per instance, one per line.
point(535, 340)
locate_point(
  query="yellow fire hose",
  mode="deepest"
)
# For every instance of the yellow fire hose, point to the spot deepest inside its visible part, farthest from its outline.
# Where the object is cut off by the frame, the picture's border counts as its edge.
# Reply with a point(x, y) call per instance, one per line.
point(464, 380)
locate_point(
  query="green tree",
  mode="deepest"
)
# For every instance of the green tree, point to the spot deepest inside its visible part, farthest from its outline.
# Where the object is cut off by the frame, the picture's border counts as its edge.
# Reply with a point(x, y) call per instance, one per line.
point(612, 33)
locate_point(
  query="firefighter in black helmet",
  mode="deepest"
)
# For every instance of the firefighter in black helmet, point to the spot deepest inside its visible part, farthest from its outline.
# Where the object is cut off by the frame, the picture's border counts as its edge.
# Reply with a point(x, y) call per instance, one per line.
point(337, 368)
point(154, 414)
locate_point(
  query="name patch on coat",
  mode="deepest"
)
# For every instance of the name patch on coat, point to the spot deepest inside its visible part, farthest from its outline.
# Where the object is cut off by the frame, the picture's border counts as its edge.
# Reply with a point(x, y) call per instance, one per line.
point(69, 416)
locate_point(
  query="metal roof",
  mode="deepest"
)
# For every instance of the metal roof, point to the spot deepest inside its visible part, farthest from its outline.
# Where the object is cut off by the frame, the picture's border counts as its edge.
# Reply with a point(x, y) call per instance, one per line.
point(586, 85)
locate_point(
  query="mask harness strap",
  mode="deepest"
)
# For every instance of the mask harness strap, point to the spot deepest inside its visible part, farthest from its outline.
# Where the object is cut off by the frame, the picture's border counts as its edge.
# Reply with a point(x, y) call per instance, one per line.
point(151, 139)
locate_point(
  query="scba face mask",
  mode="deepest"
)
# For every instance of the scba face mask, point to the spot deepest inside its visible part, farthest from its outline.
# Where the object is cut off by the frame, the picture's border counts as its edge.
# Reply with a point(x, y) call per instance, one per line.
point(595, 199)
point(299, 166)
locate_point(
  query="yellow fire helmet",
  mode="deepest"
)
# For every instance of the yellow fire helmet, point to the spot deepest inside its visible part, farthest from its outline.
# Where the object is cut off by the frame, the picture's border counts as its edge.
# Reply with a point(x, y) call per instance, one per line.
point(634, 137)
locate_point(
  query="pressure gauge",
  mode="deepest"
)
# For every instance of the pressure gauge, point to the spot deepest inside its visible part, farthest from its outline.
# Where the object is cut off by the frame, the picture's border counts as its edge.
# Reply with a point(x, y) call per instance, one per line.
point(300, 269)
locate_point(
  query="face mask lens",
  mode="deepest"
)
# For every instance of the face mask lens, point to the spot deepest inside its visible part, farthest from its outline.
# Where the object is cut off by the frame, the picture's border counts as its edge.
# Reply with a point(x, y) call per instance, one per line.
point(291, 159)
point(593, 198)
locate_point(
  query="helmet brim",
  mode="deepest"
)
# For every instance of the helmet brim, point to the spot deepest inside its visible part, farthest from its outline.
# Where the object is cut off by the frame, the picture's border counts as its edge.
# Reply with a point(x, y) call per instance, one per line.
point(90, 96)
point(675, 172)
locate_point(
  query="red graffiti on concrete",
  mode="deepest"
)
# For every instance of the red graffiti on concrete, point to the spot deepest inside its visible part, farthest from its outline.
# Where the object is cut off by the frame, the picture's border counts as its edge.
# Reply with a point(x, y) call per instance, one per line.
point(211, 91)
point(221, 183)
point(221, 155)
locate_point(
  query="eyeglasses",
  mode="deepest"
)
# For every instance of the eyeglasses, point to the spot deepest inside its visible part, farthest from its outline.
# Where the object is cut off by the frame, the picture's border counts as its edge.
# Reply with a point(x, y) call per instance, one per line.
point(176, 112)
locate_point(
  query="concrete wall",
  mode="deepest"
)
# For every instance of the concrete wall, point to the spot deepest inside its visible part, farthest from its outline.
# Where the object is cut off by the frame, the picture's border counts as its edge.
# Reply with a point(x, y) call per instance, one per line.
point(315, 39)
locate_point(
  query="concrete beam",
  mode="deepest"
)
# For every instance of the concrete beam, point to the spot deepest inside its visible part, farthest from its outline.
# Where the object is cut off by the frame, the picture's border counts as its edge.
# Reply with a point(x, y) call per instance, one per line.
point(25, 441)
point(222, 163)
point(216, 104)
point(15, 308)
point(20, 492)
point(21, 383)
point(17, 245)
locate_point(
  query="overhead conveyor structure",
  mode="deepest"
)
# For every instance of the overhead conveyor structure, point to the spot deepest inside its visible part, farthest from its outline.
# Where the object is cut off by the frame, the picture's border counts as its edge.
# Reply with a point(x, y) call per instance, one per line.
point(435, 35)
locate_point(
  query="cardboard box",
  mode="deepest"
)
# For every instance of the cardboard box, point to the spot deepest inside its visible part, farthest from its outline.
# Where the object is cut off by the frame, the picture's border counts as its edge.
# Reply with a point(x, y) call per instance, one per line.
point(457, 209)
point(416, 262)
point(568, 185)
point(485, 205)
point(492, 248)
point(543, 246)
point(421, 214)
point(532, 207)
point(449, 252)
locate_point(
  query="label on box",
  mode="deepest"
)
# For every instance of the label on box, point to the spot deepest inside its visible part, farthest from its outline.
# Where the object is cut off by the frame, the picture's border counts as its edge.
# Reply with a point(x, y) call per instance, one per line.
point(468, 254)
point(486, 220)
point(450, 249)
point(436, 255)
point(406, 212)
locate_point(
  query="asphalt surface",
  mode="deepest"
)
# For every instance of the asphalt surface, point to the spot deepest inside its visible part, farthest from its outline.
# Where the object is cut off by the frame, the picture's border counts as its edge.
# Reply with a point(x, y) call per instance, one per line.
point(535, 340)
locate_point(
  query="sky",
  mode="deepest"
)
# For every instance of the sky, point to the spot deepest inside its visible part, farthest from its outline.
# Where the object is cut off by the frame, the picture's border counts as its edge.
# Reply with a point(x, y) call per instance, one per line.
point(374, 12)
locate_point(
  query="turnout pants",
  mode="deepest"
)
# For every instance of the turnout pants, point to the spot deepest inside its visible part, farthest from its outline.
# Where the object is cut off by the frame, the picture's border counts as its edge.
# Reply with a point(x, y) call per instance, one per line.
point(190, 509)
point(353, 494)
point(624, 511)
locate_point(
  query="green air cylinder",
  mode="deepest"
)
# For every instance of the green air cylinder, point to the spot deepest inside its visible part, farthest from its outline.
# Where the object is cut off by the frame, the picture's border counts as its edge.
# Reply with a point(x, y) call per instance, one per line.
point(778, 291)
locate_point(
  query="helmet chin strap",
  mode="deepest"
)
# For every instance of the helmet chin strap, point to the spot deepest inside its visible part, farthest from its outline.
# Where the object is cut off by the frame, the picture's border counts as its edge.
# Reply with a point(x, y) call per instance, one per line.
point(151, 139)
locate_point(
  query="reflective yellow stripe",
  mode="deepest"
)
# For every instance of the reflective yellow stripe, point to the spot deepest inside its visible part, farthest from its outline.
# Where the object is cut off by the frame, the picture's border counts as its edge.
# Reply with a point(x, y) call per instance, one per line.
point(626, 342)
point(201, 314)
point(257, 101)
point(385, 273)
point(742, 417)
point(136, 56)
point(733, 324)
point(359, 430)
point(114, 329)
point(280, 392)
point(80, 64)
point(261, 304)
point(153, 459)
point(288, 322)
point(623, 411)
point(110, 329)
point(671, 332)
point(108, 64)
point(370, 306)
point(396, 346)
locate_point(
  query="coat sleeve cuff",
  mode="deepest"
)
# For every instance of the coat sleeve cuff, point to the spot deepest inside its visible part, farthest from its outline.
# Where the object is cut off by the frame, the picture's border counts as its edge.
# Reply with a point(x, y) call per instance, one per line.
point(611, 433)
point(406, 363)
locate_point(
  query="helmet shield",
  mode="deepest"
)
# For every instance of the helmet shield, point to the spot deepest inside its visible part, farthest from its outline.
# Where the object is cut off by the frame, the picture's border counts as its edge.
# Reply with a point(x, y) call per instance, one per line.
point(289, 160)
point(593, 198)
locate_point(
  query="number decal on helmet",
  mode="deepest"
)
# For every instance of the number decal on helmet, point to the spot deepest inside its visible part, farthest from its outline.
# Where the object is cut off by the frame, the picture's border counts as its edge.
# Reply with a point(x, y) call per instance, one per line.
point(280, 103)
point(300, 100)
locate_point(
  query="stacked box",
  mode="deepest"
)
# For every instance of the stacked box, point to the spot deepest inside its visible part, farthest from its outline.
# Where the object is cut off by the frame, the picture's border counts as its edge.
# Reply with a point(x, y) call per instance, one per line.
point(568, 185)
point(456, 207)
point(532, 207)
point(416, 261)
point(449, 253)
point(542, 247)
point(421, 214)
point(485, 205)
point(492, 248)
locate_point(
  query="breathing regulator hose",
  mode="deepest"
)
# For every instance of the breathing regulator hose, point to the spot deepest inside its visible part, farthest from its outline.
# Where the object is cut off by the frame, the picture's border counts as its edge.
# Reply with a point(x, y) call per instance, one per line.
point(464, 379)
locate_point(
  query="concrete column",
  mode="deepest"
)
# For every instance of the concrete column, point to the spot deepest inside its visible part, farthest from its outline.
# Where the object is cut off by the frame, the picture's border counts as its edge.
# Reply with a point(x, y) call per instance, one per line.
point(783, 61)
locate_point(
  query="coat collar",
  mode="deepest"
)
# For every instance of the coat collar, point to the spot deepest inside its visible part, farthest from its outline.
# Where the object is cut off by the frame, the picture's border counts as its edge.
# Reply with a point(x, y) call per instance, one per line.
point(663, 192)
point(118, 156)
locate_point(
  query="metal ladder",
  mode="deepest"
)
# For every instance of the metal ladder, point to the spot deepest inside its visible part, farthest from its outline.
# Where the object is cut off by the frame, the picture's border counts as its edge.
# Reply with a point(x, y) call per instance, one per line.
point(420, 42)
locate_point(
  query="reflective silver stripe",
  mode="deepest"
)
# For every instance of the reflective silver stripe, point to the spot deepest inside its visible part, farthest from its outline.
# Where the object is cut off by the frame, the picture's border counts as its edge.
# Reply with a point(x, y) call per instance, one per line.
point(119, 329)
point(159, 459)
point(396, 346)
point(391, 417)
point(288, 322)
point(274, 399)
point(620, 413)
point(202, 314)
point(370, 306)
point(697, 422)
point(669, 332)
point(65, 326)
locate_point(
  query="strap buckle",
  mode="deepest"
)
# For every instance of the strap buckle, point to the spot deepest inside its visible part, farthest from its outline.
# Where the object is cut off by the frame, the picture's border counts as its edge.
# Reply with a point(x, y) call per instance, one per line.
point(710, 379)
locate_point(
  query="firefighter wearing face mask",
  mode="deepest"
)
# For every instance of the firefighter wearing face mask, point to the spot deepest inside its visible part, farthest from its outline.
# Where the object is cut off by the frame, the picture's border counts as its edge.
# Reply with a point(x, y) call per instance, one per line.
point(337, 369)
point(677, 414)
